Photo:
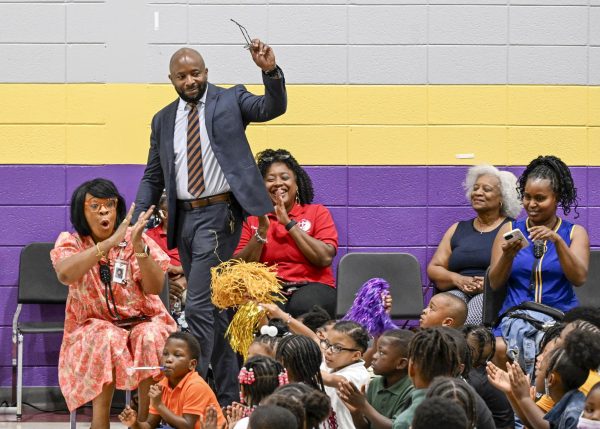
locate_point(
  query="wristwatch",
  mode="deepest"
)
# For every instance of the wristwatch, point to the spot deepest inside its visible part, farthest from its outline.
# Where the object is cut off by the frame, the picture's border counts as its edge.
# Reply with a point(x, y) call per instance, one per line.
point(273, 73)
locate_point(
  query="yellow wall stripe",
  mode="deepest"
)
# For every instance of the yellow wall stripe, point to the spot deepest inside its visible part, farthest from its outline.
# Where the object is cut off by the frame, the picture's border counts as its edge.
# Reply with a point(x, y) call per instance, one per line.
point(325, 124)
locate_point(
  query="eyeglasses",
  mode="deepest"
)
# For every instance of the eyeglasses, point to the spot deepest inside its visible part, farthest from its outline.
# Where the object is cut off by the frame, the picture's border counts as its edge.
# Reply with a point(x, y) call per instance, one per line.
point(281, 157)
point(335, 349)
point(94, 204)
point(244, 33)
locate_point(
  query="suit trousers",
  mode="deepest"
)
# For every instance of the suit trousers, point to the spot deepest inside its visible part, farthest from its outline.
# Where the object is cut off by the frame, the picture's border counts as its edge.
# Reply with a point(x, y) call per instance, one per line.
point(207, 236)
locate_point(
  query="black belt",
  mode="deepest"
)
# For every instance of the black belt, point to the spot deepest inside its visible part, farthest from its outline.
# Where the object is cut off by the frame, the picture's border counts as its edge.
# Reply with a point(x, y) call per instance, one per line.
point(203, 202)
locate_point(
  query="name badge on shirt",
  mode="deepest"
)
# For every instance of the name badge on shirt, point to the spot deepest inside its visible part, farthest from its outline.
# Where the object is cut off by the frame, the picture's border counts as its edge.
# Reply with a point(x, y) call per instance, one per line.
point(120, 272)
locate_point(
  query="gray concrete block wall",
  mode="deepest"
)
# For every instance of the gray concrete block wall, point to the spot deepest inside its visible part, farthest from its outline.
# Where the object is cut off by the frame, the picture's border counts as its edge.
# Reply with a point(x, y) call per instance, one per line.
point(316, 41)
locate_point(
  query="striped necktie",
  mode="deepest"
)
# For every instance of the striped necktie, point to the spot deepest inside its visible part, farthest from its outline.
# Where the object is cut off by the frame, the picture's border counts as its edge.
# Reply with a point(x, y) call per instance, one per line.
point(194, 153)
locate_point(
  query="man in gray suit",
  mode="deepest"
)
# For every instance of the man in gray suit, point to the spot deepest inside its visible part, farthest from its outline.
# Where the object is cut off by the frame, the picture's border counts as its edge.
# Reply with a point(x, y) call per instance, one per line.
point(199, 153)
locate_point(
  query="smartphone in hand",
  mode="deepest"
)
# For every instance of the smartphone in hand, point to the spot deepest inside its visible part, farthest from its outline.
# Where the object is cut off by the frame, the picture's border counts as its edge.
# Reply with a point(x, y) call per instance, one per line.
point(516, 235)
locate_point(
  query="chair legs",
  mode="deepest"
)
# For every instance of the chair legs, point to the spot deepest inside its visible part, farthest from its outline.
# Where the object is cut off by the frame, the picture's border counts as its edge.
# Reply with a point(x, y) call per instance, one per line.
point(19, 375)
point(73, 419)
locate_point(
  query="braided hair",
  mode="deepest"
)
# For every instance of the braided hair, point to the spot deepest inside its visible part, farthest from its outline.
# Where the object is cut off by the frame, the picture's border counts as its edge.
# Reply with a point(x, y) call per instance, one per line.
point(457, 391)
point(478, 337)
point(317, 405)
point(589, 314)
point(302, 357)
point(465, 357)
point(266, 379)
point(435, 353)
point(268, 157)
point(556, 171)
point(551, 334)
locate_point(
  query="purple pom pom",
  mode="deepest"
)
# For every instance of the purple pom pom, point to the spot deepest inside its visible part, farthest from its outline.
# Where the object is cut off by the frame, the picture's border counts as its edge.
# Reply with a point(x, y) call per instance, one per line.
point(368, 310)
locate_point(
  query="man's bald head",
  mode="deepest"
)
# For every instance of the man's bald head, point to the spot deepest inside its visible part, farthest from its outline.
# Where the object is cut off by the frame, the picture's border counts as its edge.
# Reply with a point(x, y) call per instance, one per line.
point(186, 54)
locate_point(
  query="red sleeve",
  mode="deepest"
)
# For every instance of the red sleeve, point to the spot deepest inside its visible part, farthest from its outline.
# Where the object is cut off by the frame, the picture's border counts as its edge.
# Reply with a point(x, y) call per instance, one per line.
point(247, 233)
point(324, 228)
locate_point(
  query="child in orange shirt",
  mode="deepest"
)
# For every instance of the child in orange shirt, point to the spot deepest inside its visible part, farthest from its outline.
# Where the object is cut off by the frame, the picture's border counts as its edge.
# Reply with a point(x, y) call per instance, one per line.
point(182, 396)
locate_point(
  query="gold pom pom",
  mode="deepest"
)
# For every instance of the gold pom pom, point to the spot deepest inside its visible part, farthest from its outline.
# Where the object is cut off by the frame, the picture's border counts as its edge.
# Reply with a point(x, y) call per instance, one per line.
point(240, 332)
point(235, 282)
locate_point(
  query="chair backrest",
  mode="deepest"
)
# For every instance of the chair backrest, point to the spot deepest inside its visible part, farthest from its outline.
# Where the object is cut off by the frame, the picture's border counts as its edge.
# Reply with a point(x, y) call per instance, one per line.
point(589, 293)
point(492, 301)
point(401, 270)
point(38, 283)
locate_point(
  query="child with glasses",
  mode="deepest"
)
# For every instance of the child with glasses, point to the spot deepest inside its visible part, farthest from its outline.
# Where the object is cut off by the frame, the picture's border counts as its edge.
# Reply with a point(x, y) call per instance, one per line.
point(343, 348)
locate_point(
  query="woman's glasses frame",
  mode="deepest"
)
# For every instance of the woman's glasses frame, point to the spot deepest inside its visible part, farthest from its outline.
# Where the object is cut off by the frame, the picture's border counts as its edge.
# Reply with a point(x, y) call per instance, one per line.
point(94, 204)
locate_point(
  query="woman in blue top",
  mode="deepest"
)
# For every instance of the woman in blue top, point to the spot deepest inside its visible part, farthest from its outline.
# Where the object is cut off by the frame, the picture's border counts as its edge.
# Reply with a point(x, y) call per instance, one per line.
point(545, 184)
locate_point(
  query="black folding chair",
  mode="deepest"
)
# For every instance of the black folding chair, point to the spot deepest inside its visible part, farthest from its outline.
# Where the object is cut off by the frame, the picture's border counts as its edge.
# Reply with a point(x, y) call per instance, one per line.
point(37, 285)
point(492, 301)
point(589, 293)
point(401, 270)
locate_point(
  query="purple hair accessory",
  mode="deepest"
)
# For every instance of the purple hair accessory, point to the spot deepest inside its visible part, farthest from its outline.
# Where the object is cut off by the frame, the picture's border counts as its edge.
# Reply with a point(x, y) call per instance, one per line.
point(368, 310)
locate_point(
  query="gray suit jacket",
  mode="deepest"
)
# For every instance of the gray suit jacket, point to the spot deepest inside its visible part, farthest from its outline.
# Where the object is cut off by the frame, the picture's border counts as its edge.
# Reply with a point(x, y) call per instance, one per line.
point(228, 112)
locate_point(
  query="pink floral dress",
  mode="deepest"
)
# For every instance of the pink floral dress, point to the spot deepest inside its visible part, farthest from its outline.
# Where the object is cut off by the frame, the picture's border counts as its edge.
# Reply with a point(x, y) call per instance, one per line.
point(93, 347)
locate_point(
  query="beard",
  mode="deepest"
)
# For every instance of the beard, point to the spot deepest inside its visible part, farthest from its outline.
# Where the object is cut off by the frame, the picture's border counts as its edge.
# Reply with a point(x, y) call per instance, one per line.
point(196, 99)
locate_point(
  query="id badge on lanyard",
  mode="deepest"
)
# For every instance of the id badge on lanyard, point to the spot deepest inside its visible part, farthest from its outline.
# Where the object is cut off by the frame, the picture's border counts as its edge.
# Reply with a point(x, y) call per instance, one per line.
point(121, 266)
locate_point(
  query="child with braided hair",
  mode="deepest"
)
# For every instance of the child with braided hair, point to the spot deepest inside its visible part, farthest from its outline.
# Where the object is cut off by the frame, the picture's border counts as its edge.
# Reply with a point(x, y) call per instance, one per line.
point(481, 343)
point(258, 378)
point(432, 353)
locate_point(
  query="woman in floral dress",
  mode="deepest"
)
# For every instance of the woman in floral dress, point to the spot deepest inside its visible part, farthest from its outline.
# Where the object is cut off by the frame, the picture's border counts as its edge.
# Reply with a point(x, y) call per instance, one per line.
point(114, 316)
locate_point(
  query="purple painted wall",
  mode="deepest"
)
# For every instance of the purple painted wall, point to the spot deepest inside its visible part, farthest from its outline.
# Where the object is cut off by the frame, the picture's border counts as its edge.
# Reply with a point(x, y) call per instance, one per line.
point(394, 208)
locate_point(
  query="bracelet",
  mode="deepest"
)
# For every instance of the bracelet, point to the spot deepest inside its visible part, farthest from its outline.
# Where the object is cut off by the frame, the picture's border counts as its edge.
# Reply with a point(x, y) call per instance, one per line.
point(289, 319)
point(291, 224)
point(99, 253)
point(143, 254)
point(260, 239)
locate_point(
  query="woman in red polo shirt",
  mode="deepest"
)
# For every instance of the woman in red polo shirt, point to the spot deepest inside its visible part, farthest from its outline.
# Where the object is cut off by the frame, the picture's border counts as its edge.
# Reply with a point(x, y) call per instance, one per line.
point(298, 236)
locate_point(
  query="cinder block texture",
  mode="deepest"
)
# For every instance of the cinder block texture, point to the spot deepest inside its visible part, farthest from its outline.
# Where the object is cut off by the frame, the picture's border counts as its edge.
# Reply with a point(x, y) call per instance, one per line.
point(541, 25)
point(548, 65)
point(308, 25)
point(32, 23)
point(86, 23)
point(387, 64)
point(468, 25)
point(467, 64)
point(387, 25)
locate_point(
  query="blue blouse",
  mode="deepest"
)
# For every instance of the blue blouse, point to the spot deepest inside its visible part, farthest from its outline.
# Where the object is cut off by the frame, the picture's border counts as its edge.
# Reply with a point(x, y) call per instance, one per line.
point(548, 285)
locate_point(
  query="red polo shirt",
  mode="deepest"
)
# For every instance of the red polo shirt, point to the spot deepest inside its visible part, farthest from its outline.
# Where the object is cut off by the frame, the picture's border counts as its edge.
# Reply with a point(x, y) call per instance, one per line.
point(281, 249)
point(160, 237)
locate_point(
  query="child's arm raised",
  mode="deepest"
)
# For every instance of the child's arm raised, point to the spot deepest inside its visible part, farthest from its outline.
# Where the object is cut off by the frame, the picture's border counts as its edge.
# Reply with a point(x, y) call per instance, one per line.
point(187, 421)
point(129, 418)
point(362, 412)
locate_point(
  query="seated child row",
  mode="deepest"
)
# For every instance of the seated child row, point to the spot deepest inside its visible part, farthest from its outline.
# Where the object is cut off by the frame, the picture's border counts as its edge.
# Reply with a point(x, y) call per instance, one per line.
point(315, 373)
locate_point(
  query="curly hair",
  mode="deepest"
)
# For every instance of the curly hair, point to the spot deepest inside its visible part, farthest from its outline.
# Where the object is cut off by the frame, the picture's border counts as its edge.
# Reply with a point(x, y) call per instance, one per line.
point(315, 318)
point(437, 412)
point(268, 157)
point(588, 314)
point(511, 204)
point(556, 171)
point(317, 405)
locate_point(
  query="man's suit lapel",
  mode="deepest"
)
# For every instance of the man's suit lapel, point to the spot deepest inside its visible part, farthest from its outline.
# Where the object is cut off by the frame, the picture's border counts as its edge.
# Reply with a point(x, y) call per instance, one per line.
point(168, 147)
point(209, 110)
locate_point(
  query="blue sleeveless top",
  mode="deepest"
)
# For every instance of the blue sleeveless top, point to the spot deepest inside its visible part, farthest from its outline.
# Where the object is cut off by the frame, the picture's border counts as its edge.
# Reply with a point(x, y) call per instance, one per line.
point(471, 249)
point(549, 285)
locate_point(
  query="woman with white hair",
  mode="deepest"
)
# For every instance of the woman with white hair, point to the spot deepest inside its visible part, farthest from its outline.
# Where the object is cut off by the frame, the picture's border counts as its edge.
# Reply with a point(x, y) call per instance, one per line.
point(465, 251)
